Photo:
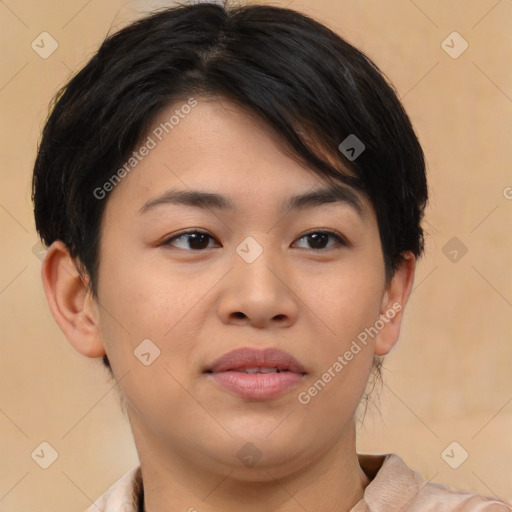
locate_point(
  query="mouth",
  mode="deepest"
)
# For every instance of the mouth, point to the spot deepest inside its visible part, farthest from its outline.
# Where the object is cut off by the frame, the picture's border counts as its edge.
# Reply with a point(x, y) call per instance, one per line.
point(257, 361)
point(256, 374)
point(254, 370)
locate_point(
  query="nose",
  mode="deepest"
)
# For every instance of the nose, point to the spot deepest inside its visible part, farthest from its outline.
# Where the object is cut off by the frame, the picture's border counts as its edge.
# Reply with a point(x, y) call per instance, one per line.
point(259, 293)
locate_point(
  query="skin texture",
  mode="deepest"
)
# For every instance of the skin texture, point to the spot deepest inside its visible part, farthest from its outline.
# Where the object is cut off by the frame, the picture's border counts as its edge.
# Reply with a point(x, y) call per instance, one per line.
point(196, 305)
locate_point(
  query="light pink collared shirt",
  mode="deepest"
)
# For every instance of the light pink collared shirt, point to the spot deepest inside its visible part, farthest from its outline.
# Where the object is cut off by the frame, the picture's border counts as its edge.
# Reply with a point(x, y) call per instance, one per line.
point(394, 487)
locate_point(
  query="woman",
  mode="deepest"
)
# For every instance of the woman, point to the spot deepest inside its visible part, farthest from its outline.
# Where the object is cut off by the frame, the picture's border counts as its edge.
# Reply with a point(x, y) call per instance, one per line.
point(242, 359)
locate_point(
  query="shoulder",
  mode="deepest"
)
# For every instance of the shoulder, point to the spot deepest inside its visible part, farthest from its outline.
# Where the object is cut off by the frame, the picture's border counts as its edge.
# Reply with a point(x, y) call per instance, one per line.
point(122, 496)
point(395, 484)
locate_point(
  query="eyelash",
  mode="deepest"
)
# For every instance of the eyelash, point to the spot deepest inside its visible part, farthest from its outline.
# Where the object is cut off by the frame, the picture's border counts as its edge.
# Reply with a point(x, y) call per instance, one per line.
point(341, 241)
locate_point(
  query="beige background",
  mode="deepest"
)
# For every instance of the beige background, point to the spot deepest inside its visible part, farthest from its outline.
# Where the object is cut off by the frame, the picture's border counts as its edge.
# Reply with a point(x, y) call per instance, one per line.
point(448, 379)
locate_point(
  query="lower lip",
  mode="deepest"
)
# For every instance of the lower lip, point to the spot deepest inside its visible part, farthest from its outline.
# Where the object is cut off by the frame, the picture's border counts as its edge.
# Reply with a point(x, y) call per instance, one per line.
point(257, 386)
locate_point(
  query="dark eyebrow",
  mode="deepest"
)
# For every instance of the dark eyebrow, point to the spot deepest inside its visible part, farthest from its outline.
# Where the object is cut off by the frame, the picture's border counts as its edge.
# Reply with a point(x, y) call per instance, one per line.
point(210, 200)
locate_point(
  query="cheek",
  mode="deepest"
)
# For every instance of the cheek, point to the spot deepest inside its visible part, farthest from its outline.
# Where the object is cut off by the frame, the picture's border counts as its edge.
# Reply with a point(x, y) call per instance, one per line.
point(347, 302)
point(347, 306)
point(149, 333)
point(149, 307)
point(345, 355)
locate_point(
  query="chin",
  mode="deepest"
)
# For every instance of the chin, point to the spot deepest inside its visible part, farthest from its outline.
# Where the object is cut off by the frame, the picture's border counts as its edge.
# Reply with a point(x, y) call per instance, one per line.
point(259, 458)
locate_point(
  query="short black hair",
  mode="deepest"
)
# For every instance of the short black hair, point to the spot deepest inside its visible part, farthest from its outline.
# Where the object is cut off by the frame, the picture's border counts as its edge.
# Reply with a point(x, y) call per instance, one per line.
point(303, 80)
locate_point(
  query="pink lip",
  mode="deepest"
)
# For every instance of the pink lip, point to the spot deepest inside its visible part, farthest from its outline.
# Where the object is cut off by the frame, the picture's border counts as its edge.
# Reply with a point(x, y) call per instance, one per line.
point(227, 372)
point(251, 358)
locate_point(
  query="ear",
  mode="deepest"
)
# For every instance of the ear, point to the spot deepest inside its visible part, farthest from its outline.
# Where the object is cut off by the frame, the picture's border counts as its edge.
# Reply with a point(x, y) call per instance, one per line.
point(71, 304)
point(393, 304)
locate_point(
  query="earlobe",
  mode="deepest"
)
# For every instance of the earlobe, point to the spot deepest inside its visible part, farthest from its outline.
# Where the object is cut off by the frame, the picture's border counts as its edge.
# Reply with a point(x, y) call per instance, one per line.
point(394, 301)
point(70, 302)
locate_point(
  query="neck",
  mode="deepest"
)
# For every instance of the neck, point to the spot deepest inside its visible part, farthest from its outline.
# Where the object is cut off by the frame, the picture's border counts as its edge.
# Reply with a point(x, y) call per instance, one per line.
point(177, 480)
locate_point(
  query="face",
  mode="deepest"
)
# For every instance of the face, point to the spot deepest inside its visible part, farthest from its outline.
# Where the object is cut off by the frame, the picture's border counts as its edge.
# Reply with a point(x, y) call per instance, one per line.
point(307, 280)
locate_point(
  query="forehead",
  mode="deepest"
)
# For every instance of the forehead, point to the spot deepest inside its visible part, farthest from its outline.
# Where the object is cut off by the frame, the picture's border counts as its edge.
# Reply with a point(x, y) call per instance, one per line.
point(219, 156)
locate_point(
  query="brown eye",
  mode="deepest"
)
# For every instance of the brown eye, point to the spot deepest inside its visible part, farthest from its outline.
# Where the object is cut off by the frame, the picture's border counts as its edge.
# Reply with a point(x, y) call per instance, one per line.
point(318, 239)
point(195, 240)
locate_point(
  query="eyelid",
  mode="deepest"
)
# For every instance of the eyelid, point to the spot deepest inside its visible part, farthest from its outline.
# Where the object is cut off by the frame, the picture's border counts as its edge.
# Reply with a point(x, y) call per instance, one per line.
point(190, 231)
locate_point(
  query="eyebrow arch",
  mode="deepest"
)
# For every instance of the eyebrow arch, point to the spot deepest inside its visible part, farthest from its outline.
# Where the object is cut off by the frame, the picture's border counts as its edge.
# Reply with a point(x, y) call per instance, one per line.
point(210, 200)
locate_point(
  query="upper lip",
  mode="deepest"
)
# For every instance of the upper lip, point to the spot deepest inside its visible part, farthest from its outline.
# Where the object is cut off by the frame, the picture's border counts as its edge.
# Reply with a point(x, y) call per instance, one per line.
point(256, 358)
